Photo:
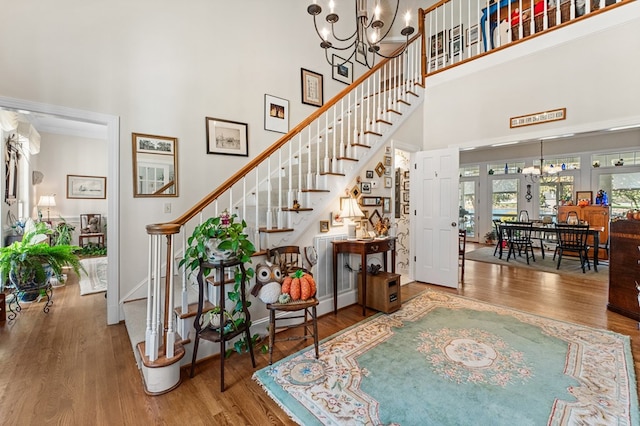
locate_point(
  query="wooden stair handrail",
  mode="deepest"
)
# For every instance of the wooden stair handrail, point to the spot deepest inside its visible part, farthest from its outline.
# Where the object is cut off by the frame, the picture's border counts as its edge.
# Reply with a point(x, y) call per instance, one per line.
point(170, 227)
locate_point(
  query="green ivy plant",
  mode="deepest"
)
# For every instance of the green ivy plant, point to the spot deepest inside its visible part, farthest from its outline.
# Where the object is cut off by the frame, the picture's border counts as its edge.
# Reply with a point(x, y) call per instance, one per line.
point(231, 236)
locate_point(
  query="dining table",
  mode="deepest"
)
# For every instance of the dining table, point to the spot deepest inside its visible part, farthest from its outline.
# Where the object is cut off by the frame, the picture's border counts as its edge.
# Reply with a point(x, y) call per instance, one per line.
point(546, 232)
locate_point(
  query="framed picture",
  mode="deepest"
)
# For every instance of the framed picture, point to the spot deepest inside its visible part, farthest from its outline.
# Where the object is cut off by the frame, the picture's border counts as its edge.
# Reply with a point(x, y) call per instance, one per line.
point(324, 226)
point(584, 195)
point(405, 185)
point(365, 213)
point(405, 197)
point(227, 137)
point(148, 144)
point(276, 114)
point(456, 46)
point(387, 171)
point(370, 201)
point(380, 169)
point(86, 186)
point(474, 35)
point(375, 217)
point(336, 219)
point(386, 205)
point(438, 63)
point(405, 209)
point(387, 182)
point(455, 32)
point(387, 161)
point(355, 191)
point(369, 174)
point(406, 174)
point(312, 88)
point(365, 187)
point(342, 70)
point(438, 44)
point(387, 150)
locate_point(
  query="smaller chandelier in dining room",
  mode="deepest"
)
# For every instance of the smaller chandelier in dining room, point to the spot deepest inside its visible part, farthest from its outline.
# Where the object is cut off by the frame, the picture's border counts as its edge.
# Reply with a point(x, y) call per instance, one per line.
point(533, 173)
point(369, 32)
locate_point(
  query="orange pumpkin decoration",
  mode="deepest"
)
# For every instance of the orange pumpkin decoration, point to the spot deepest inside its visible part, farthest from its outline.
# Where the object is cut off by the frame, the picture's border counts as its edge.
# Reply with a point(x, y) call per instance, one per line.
point(300, 286)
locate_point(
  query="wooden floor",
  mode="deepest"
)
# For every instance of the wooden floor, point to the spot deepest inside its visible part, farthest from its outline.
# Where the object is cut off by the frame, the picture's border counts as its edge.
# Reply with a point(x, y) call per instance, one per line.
point(68, 368)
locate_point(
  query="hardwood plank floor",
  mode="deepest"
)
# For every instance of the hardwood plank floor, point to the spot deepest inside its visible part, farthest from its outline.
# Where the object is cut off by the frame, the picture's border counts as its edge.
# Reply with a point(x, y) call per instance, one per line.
point(68, 368)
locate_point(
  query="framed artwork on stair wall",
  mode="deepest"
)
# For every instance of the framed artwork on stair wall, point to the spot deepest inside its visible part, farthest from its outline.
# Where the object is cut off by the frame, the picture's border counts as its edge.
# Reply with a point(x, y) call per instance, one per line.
point(312, 88)
point(342, 70)
point(276, 114)
point(227, 137)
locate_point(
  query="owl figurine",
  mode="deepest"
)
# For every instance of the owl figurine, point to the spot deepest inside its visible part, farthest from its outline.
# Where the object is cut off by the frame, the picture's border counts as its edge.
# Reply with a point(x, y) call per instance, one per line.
point(268, 282)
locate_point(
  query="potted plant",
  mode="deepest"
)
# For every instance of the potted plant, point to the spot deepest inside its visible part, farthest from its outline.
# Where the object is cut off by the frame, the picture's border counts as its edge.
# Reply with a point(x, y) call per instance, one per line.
point(490, 236)
point(216, 239)
point(28, 264)
point(64, 231)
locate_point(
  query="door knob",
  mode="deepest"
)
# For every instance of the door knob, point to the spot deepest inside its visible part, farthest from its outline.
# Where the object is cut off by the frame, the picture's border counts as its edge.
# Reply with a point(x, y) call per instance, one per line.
point(453, 224)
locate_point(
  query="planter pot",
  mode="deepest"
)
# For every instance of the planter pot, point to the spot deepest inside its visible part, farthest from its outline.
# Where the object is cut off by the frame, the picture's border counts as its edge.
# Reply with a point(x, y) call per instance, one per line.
point(215, 254)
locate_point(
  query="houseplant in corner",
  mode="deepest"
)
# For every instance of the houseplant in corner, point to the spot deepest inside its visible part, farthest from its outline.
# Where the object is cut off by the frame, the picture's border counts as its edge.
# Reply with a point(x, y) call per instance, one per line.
point(216, 239)
point(28, 264)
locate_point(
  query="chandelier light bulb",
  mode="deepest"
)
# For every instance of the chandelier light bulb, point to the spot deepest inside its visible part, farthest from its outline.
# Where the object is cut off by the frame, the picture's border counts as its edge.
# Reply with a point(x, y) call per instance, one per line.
point(332, 5)
point(376, 13)
point(325, 34)
point(407, 18)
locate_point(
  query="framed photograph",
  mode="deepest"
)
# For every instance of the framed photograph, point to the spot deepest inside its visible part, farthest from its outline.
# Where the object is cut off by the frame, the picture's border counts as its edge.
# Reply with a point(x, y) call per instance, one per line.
point(342, 70)
point(380, 169)
point(387, 150)
point(366, 214)
point(154, 144)
point(474, 35)
point(276, 114)
point(406, 174)
point(387, 171)
point(227, 137)
point(405, 209)
point(438, 44)
point(405, 197)
point(370, 201)
point(386, 205)
point(437, 63)
point(387, 182)
point(375, 217)
point(455, 32)
point(312, 88)
point(324, 226)
point(365, 187)
point(336, 220)
point(369, 174)
point(584, 195)
point(405, 185)
point(86, 187)
point(355, 191)
point(456, 46)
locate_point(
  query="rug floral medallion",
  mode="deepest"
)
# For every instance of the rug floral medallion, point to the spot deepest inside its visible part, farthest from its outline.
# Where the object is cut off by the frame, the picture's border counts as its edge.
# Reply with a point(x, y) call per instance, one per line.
point(445, 359)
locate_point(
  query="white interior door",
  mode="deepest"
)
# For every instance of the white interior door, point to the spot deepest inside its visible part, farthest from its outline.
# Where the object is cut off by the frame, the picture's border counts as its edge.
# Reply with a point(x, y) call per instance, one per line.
point(434, 208)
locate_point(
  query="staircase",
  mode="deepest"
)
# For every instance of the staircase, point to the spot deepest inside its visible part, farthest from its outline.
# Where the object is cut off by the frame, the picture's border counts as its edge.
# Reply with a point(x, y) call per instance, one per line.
point(311, 165)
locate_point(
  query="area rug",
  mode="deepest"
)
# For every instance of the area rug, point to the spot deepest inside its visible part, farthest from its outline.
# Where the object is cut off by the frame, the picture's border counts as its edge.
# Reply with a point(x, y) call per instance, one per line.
point(569, 265)
point(95, 280)
point(448, 360)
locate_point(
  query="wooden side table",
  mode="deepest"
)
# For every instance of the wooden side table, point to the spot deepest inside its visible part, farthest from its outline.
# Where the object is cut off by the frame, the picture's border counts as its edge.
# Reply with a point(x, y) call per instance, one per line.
point(363, 248)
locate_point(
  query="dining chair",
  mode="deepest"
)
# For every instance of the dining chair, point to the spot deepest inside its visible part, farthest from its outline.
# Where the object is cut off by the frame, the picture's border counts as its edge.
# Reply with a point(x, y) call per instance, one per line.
point(462, 247)
point(500, 237)
point(572, 239)
point(519, 238)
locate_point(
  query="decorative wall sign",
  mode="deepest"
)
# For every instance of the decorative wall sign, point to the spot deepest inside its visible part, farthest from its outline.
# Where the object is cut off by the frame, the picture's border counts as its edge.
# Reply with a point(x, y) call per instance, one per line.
point(538, 118)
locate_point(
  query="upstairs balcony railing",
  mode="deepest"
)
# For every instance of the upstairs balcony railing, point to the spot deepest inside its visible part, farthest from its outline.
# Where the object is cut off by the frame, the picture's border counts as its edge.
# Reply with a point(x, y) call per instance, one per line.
point(456, 31)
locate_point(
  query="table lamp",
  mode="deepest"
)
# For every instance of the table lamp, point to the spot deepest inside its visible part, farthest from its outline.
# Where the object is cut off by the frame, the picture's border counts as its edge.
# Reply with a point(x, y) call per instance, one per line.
point(350, 210)
point(47, 201)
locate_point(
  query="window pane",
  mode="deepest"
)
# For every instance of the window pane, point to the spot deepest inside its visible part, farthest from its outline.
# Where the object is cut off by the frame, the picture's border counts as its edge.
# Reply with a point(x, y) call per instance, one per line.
point(504, 199)
point(623, 191)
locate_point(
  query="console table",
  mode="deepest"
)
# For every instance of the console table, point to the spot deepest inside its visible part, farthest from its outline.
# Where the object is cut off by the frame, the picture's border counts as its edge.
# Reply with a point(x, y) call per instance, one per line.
point(363, 248)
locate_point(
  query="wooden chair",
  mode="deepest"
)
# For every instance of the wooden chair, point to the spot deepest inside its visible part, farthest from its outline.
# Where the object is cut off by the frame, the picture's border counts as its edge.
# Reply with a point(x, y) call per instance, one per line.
point(500, 237)
point(573, 239)
point(290, 261)
point(462, 247)
point(91, 227)
point(519, 238)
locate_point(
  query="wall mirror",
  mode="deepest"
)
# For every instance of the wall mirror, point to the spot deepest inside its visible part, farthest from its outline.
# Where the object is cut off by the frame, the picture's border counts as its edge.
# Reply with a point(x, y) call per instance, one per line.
point(155, 166)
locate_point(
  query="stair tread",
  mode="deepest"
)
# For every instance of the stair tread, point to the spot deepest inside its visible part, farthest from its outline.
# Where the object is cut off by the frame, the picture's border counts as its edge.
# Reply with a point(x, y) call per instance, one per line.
point(331, 174)
point(192, 309)
point(275, 230)
point(360, 145)
point(371, 132)
point(394, 111)
point(300, 209)
point(346, 158)
point(316, 190)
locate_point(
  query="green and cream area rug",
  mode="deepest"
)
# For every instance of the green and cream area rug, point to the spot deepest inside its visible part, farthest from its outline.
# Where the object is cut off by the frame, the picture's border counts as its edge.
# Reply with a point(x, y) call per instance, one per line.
point(448, 360)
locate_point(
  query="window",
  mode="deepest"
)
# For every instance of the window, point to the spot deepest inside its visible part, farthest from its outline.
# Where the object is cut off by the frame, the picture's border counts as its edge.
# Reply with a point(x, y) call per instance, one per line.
point(506, 168)
point(628, 158)
point(623, 191)
point(504, 205)
point(553, 191)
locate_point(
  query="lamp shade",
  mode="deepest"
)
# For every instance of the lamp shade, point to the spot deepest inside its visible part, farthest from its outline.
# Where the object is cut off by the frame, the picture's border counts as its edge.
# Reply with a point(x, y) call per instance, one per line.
point(47, 201)
point(350, 209)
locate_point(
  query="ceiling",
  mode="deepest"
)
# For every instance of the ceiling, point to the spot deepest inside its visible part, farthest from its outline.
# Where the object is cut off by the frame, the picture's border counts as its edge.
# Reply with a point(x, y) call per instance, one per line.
point(47, 123)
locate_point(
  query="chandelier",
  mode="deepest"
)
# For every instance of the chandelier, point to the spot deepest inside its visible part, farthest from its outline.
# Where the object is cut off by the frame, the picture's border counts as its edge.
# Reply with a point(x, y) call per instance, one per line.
point(533, 173)
point(365, 40)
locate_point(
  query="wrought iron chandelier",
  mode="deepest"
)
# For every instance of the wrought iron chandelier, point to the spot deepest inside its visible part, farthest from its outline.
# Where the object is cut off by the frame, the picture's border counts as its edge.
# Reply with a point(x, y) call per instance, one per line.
point(533, 173)
point(364, 43)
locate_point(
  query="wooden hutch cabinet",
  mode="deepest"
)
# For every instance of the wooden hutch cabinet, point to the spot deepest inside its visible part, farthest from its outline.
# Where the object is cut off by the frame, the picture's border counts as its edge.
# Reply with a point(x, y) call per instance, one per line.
point(594, 216)
point(624, 268)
